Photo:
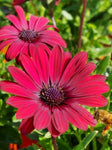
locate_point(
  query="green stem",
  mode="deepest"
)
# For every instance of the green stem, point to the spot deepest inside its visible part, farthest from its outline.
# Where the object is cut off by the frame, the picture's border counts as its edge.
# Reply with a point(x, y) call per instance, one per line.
point(33, 5)
point(94, 144)
point(81, 23)
point(54, 143)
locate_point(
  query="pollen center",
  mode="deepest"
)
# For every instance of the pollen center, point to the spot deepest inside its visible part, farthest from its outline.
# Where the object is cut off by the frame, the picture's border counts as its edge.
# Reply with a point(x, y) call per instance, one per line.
point(52, 96)
point(28, 35)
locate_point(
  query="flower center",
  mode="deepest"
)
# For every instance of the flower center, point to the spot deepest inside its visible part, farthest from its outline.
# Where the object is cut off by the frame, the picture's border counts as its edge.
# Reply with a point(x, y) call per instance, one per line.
point(28, 35)
point(52, 96)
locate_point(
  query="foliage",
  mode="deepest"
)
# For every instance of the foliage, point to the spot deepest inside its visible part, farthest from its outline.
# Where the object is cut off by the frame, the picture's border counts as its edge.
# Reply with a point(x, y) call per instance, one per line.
point(95, 40)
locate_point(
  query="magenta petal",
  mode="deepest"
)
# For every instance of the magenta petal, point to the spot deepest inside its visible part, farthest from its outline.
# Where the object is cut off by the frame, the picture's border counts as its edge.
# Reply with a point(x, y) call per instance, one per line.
point(6, 36)
point(74, 118)
point(5, 43)
point(50, 33)
point(52, 40)
point(17, 101)
point(26, 126)
point(66, 59)
point(91, 89)
point(30, 68)
point(41, 22)
point(27, 110)
point(33, 20)
point(9, 29)
point(43, 66)
point(42, 117)
point(55, 61)
point(44, 46)
point(22, 78)
point(81, 74)
point(53, 130)
point(59, 121)
point(73, 67)
point(25, 48)
point(32, 50)
point(93, 101)
point(88, 118)
point(21, 15)
point(93, 78)
point(14, 49)
point(16, 89)
point(15, 21)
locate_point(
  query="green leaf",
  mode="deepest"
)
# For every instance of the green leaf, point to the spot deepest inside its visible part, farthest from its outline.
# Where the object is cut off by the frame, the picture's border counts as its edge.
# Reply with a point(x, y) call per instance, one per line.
point(104, 51)
point(110, 80)
point(63, 145)
point(102, 65)
point(67, 15)
point(85, 142)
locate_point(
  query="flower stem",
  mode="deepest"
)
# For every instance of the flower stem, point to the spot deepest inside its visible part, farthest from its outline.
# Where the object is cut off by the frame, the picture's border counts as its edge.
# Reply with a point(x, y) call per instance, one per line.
point(35, 9)
point(81, 23)
point(54, 143)
point(52, 18)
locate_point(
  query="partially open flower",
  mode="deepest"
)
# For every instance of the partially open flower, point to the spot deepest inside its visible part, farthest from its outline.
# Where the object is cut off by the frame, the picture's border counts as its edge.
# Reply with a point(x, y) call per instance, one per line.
point(24, 36)
point(51, 90)
point(17, 2)
point(57, 2)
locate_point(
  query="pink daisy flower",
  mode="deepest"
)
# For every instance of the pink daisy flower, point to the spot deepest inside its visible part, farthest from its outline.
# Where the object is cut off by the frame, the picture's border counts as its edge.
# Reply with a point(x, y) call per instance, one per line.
point(24, 36)
point(57, 2)
point(17, 2)
point(51, 90)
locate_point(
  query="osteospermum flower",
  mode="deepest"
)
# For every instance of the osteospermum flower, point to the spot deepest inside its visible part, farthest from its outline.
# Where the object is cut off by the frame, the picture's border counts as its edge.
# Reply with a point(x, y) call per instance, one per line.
point(57, 2)
point(24, 36)
point(51, 90)
point(17, 2)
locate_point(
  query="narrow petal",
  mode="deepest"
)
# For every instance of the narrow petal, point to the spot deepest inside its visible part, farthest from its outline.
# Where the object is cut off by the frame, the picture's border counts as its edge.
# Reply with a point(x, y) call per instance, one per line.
point(88, 118)
point(75, 118)
point(30, 68)
point(93, 101)
point(7, 36)
point(18, 102)
point(43, 66)
point(32, 50)
point(25, 48)
point(79, 75)
point(15, 21)
point(74, 66)
point(22, 78)
point(51, 33)
point(42, 117)
point(9, 29)
point(14, 49)
point(52, 41)
point(22, 18)
point(27, 110)
point(44, 46)
point(53, 130)
point(91, 89)
point(41, 22)
point(55, 62)
point(32, 22)
point(66, 59)
point(16, 89)
point(26, 126)
point(59, 121)
point(5, 43)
